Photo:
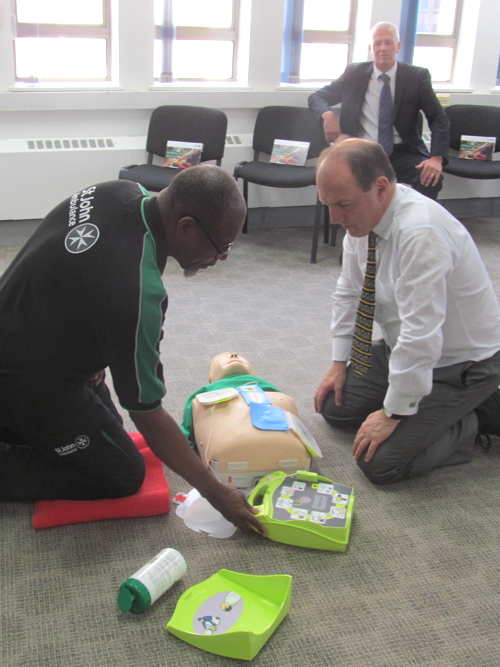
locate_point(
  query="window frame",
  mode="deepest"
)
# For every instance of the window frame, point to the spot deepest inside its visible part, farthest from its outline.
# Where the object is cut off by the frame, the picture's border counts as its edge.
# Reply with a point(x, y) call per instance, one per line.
point(334, 37)
point(450, 41)
point(200, 33)
point(83, 31)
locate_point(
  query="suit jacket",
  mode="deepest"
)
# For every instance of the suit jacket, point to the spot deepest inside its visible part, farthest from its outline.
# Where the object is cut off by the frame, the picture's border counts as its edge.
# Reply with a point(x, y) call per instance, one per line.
point(413, 92)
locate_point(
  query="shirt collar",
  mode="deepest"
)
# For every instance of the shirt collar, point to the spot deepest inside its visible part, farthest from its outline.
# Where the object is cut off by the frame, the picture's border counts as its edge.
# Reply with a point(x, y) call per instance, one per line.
point(383, 229)
point(155, 225)
point(391, 72)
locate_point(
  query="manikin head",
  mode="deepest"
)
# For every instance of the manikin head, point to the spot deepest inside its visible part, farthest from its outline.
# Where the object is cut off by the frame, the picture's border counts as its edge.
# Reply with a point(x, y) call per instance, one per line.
point(384, 45)
point(357, 182)
point(228, 363)
point(202, 212)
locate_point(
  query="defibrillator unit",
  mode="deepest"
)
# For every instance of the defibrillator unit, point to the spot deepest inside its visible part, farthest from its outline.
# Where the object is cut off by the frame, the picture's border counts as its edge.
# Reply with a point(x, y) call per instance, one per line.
point(304, 509)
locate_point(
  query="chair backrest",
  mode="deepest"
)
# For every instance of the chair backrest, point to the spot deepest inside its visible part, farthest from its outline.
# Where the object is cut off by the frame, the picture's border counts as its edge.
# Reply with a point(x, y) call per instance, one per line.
point(187, 123)
point(292, 123)
point(475, 119)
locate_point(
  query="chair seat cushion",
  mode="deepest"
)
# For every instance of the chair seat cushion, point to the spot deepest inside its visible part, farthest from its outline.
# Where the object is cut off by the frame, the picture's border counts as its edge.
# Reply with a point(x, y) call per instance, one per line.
point(478, 169)
point(151, 176)
point(276, 175)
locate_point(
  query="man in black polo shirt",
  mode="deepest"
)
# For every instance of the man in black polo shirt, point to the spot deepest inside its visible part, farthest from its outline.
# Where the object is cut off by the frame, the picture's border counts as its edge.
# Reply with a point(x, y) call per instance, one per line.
point(85, 294)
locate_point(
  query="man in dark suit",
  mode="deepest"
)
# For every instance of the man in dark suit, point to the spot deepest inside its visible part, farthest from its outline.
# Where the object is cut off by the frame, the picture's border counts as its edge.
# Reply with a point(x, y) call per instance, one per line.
point(359, 90)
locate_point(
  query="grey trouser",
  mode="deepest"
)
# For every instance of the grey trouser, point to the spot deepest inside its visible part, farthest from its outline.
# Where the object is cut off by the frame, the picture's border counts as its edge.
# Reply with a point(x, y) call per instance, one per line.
point(441, 433)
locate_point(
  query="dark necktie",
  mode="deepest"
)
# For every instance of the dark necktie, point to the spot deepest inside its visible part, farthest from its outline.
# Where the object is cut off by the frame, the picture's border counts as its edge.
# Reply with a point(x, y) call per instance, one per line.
point(361, 352)
point(385, 134)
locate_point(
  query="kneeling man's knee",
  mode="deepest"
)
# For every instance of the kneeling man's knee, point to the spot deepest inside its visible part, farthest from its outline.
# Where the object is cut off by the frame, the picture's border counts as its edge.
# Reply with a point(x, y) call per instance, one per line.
point(380, 471)
point(340, 415)
point(130, 485)
point(129, 480)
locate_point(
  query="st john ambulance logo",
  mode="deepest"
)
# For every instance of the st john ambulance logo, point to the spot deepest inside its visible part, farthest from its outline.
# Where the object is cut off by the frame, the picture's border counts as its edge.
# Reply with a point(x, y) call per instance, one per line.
point(82, 442)
point(81, 238)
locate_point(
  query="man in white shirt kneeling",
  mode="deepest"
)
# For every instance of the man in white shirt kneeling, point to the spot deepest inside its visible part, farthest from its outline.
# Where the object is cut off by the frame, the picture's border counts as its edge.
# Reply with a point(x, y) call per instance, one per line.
point(422, 393)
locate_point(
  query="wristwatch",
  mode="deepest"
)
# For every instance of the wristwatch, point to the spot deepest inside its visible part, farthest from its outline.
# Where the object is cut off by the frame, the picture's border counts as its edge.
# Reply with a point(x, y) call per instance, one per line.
point(391, 415)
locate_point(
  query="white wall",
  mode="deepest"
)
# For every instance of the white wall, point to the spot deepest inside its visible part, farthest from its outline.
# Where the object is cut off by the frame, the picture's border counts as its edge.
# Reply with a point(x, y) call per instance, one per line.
point(30, 187)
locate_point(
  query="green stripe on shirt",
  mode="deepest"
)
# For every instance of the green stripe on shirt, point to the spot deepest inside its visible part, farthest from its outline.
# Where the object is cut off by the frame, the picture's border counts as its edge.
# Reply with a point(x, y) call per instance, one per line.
point(149, 327)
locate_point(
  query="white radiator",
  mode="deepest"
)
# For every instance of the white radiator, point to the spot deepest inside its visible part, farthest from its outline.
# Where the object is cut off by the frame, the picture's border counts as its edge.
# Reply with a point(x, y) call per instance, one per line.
point(38, 173)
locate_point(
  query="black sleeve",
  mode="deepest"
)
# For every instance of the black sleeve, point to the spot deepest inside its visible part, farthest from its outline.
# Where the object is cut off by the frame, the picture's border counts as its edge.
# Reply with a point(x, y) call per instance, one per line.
point(325, 98)
point(437, 119)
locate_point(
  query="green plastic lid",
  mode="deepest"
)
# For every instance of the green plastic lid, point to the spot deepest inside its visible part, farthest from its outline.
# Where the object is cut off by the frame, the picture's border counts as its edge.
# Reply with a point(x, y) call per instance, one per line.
point(133, 596)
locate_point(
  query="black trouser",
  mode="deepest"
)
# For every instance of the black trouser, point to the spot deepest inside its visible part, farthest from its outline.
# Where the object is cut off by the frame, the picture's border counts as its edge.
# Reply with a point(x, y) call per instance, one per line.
point(63, 439)
point(404, 162)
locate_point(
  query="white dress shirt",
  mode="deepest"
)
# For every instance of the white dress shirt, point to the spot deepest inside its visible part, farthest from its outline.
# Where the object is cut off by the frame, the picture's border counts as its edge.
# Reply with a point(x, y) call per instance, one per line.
point(369, 112)
point(435, 302)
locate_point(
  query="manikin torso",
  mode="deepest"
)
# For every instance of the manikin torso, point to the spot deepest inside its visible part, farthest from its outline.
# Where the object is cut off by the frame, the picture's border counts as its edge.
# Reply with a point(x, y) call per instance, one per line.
point(228, 441)
point(225, 435)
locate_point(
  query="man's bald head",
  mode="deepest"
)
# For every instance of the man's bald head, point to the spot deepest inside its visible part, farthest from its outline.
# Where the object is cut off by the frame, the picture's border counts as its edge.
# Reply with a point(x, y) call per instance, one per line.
point(385, 25)
point(366, 160)
point(204, 192)
point(356, 181)
point(384, 45)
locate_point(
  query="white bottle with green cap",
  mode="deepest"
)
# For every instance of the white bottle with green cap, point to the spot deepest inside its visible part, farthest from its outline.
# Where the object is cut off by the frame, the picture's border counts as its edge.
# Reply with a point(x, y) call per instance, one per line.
point(150, 582)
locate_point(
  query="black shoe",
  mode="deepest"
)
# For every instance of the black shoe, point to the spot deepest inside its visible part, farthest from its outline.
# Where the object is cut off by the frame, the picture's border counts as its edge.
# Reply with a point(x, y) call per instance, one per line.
point(488, 417)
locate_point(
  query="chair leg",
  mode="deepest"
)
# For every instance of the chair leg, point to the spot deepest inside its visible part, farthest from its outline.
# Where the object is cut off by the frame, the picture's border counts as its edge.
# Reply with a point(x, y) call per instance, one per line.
point(333, 237)
point(245, 195)
point(326, 224)
point(317, 224)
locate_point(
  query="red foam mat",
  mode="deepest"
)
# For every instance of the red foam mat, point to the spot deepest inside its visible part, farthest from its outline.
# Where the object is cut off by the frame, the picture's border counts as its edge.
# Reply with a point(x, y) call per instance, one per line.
point(152, 498)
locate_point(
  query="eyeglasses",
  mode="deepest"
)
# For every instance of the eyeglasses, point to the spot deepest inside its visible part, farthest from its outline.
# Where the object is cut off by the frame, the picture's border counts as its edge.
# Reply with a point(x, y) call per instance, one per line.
point(220, 251)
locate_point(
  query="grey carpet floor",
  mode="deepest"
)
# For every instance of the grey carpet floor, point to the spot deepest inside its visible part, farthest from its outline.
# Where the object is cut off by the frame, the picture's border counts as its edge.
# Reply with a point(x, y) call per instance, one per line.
point(418, 585)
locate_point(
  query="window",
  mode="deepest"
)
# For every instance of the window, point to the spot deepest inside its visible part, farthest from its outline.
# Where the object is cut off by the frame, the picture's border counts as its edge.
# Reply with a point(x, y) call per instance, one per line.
point(205, 42)
point(437, 33)
point(62, 40)
point(328, 37)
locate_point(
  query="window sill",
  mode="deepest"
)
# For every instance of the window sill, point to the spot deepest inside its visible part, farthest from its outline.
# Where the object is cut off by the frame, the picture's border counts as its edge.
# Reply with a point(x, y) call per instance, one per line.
point(63, 86)
point(316, 85)
point(303, 85)
point(451, 88)
point(223, 86)
point(63, 99)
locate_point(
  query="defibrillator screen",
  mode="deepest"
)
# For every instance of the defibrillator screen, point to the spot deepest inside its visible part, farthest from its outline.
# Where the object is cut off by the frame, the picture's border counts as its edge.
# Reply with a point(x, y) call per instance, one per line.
point(321, 503)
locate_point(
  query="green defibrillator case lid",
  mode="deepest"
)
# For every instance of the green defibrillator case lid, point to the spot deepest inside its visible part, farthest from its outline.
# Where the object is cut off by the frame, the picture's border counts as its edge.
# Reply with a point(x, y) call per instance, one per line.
point(232, 614)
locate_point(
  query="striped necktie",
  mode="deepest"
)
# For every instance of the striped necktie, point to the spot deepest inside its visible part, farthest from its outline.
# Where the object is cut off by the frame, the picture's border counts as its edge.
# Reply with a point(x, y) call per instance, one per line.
point(385, 132)
point(361, 352)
